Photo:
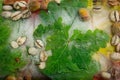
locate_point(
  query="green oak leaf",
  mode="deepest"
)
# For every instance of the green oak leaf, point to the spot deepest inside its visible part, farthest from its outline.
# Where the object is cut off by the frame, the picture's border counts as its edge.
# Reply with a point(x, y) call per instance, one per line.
point(70, 54)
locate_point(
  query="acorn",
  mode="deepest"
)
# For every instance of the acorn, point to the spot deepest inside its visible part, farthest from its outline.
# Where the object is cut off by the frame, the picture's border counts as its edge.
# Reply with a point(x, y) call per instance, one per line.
point(44, 4)
point(114, 16)
point(34, 5)
point(8, 2)
point(10, 77)
point(115, 56)
point(22, 0)
point(84, 14)
point(115, 28)
point(20, 5)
